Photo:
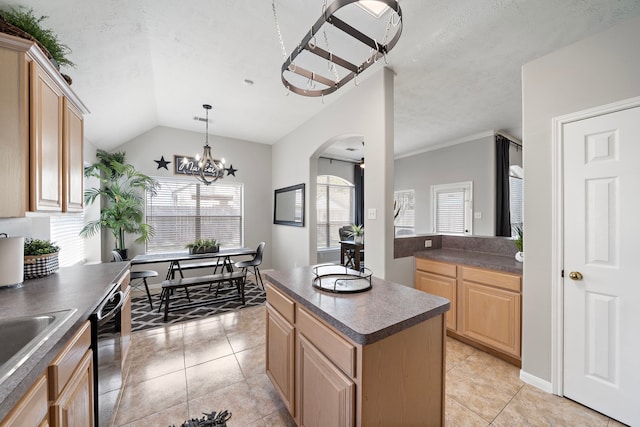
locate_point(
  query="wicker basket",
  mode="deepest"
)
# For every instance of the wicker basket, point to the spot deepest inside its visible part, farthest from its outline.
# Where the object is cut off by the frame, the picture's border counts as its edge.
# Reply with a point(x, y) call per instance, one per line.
point(40, 265)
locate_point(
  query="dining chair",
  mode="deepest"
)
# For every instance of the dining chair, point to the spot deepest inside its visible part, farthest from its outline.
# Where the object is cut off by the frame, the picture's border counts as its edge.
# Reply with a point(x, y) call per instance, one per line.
point(344, 235)
point(142, 275)
point(255, 263)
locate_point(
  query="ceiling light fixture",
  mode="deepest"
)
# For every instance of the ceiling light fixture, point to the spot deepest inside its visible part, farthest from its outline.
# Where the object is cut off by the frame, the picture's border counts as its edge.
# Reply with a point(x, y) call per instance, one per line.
point(209, 169)
point(306, 78)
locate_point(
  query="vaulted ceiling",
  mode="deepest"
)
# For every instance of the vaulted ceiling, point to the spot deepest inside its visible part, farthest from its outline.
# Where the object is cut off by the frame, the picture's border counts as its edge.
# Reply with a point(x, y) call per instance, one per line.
point(147, 63)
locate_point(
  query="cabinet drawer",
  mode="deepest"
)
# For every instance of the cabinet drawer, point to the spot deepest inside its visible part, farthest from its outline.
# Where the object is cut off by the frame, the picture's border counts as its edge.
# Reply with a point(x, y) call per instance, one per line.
point(281, 303)
point(62, 367)
point(498, 279)
point(31, 409)
point(341, 352)
point(436, 267)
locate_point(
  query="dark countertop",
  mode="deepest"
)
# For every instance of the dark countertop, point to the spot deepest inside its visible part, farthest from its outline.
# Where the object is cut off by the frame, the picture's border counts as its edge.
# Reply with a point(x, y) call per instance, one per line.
point(473, 259)
point(81, 287)
point(365, 317)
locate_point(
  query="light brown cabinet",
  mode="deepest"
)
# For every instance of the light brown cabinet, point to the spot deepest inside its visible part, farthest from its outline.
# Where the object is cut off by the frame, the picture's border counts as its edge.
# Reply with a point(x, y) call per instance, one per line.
point(70, 376)
point(439, 278)
point(41, 134)
point(32, 409)
point(46, 114)
point(337, 382)
point(326, 395)
point(490, 311)
point(74, 406)
point(280, 356)
point(73, 158)
point(487, 304)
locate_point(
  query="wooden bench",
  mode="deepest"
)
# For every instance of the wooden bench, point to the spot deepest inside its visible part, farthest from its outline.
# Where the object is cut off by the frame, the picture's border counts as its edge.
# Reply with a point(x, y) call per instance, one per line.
point(236, 278)
point(215, 263)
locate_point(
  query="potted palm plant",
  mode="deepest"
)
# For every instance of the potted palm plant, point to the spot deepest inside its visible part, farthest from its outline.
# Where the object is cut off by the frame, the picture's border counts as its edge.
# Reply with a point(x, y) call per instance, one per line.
point(123, 204)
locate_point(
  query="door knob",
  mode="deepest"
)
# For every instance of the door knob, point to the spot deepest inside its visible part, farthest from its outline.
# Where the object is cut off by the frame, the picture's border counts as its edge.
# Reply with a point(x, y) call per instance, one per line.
point(575, 275)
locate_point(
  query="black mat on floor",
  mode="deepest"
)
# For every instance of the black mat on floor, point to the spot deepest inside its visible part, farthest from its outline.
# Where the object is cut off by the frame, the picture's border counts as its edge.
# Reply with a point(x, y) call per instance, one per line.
point(143, 317)
point(209, 420)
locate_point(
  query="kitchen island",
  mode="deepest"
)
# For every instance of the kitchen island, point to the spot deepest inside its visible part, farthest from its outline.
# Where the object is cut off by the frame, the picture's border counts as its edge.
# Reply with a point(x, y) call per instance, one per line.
point(80, 288)
point(370, 358)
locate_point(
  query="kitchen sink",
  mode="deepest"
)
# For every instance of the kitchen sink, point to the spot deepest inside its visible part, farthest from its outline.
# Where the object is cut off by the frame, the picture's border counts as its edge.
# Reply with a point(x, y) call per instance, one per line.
point(22, 336)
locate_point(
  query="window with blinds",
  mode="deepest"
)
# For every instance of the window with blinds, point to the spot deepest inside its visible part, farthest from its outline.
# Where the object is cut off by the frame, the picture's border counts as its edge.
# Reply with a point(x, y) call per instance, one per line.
point(185, 210)
point(516, 201)
point(335, 208)
point(65, 232)
point(452, 208)
point(405, 222)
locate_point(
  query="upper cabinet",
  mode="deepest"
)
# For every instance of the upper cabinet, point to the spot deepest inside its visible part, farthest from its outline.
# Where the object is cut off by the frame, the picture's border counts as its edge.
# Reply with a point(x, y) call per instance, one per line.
point(41, 131)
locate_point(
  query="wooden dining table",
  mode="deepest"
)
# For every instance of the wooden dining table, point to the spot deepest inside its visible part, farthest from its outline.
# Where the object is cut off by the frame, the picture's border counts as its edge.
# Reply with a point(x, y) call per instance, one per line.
point(358, 248)
point(174, 258)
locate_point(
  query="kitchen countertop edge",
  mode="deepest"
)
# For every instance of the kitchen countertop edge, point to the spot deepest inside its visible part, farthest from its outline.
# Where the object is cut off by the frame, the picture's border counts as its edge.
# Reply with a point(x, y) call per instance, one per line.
point(17, 384)
point(473, 259)
point(383, 326)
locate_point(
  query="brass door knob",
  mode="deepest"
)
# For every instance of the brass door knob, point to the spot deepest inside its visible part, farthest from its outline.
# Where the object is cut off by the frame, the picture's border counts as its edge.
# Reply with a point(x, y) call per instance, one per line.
point(575, 275)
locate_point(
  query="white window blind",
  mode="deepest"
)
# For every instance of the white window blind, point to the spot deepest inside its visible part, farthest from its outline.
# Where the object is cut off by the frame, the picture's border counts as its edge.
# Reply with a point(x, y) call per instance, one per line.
point(335, 208)
point(405, 222)
point(65, 232)
point(452, 205)
point(516, 201)
point(185, 210)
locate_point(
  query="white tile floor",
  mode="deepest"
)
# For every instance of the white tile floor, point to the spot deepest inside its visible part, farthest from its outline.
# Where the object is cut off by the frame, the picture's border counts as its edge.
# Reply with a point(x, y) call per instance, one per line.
point(217, 363)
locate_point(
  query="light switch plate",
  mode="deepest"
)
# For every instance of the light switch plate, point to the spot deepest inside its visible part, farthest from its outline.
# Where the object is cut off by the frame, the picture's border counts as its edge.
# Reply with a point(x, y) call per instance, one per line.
point(372, 213)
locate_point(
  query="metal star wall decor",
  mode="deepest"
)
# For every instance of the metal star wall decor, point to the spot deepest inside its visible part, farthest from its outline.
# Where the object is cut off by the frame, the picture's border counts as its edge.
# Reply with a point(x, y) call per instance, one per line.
point(162, 163)
point(231, 171)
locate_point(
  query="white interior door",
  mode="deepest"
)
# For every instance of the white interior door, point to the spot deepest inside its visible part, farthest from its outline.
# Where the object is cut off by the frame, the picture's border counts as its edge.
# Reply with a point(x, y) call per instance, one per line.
point(601, 235)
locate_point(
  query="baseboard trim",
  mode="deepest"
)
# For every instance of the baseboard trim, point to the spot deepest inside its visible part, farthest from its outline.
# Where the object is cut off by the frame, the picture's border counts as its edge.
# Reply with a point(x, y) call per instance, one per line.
point(536, 382)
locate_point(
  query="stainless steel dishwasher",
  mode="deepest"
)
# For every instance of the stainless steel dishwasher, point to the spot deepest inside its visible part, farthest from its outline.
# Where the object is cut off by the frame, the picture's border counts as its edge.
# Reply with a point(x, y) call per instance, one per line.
point(107, 354)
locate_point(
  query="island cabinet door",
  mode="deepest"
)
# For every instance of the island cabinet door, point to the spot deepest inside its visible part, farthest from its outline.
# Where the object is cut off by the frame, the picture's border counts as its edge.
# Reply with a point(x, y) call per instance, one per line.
point(280, 365)
point(326, 396)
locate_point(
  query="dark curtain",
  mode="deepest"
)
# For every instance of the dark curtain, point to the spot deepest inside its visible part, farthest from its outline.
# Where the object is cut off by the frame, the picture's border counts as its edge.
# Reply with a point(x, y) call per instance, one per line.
point(503, 219)
point(358, 180)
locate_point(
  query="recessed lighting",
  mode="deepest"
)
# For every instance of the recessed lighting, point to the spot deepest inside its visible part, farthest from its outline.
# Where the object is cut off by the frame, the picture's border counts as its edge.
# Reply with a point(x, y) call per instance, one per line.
point(375, 8)
point(248, 82)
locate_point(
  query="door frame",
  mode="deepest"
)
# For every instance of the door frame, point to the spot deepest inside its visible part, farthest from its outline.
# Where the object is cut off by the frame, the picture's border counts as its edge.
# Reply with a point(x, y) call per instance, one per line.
point(557, 231)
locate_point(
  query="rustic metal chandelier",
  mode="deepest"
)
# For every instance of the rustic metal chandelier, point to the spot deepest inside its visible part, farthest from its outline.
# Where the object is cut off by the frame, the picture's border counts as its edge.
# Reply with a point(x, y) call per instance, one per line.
point(209, 169)
point(307, 76)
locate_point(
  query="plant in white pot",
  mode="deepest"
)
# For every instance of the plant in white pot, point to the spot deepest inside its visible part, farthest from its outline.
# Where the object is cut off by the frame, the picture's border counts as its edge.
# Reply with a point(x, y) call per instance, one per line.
point(519, 242)
point(357, 232)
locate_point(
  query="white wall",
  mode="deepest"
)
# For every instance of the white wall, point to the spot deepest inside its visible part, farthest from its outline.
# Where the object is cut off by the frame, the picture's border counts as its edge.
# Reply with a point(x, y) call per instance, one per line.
point(471, 161)
point(365, 110)
point(252, 160)
point(595, 71)
point(336, 168)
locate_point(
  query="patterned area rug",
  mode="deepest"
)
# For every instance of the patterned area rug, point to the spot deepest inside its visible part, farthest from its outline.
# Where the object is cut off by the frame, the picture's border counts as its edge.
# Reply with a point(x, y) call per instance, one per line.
point(143, 317)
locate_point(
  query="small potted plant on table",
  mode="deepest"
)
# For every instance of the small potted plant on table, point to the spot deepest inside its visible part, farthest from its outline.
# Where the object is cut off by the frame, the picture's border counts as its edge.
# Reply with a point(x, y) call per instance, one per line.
point(203, 246)
point(357, 232)
point(40, 258)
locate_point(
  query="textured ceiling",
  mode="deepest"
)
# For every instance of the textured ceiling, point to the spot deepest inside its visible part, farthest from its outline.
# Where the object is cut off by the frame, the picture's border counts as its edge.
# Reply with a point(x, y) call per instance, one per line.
point(147, 63)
